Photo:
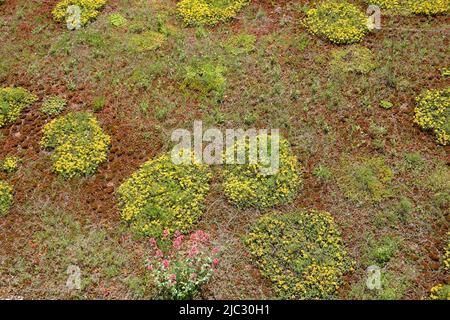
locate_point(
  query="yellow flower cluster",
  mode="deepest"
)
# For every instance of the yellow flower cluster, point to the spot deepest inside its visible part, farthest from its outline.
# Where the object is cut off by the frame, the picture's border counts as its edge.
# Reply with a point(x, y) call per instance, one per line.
point(387, 4)
point(433, 112)
point(209, 12)
point(338, 21)
point(248, 185)
point(300, 252)
point(429, 7)
point(440, 292)
point(6, 197)
point(9, 164)
point(164, 196)
point(446, 261)
point(12, 103)
point(89, 9)
point(79, 144)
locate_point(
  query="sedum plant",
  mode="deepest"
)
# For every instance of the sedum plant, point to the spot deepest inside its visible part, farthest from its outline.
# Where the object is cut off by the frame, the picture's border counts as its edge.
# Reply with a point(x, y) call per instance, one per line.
point(90, 9)
point(6, 198)
point(9, 164)
point(78, 142)
point(433, 113)
point(246, 185)
point(53, 106)
point(209, 12)
point(340, 22)
point(301, 252)
point(162, 196)
point(12, 102)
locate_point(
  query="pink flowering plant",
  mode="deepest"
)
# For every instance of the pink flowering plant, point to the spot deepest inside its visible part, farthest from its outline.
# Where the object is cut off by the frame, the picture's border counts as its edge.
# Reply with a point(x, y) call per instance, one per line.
point(181, 265)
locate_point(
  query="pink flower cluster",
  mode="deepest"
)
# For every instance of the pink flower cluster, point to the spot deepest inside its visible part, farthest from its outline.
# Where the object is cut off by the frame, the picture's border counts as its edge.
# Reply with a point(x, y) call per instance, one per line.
point(196, 246)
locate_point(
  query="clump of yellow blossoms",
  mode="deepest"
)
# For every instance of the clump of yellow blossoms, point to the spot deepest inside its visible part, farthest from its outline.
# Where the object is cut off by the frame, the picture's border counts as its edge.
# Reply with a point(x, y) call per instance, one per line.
point(12, 103)
point(300, 252)
point(90, 9)
point(79, 144)
point(340, 22)
point(440, 292)
point(433, 112)
point(248, 185)
point(209, 12)
point(9, 164)
point(162, 196)
point(386, 4)
point(429, 7)
point(6, 197)
point(426, 7)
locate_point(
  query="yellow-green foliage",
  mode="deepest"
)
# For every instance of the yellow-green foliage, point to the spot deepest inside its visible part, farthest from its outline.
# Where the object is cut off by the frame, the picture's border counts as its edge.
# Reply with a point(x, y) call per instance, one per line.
point(429, 7)
point(6, 197)
point(206, 78)
point(340, 22)
point(9, 164)
point(440, 292)
point(12, 103)
point(79, 144)
point(240, 44)
point(209, 12)
point(353, 59)
point(247, 185)
point(366, 180)
point(90, 9)
point(164, 196)
point(117, 20)
point(433, 112)
point(147, 41)
point(53, 105)
point(301, 253)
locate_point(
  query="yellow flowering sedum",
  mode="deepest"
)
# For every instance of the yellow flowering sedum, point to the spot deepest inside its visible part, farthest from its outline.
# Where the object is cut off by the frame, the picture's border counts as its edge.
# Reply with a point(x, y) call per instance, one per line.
point(164, 196)
point(429, 7)
point(246, 185)
point(90, 9)
point(300, 252)
point(339, 22)
point(209, 12)
point(6, 197)
point(79, 144)
point(440, 292)
point(426, 7)
point(12, 102)
point(433, 112)
point(386, 4)
point(9, 164)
